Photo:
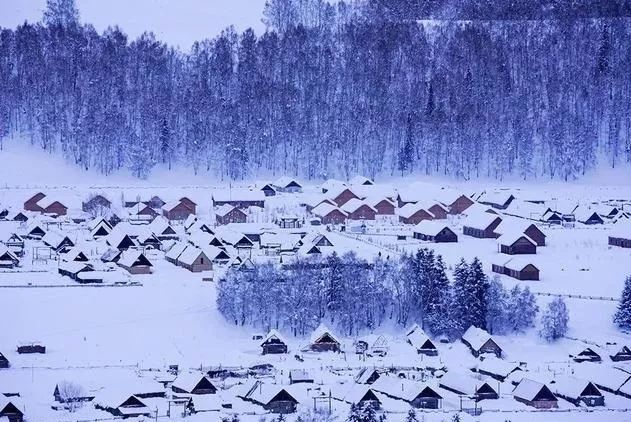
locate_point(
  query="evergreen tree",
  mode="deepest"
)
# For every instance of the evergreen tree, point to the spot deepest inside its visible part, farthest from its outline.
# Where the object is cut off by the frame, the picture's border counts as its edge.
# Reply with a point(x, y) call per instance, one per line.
point(438, 314)
point(165, 142)
point(554, 320)
point(479, 285)
point(622, 318)
point(497, 314)
point(526, 306)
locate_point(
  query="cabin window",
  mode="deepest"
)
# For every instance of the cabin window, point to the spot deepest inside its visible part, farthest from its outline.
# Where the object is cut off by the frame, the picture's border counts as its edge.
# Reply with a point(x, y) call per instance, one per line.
point(201, 260)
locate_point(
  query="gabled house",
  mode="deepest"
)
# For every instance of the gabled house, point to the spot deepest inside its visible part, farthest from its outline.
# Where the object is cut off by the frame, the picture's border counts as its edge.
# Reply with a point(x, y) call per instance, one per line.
point(45, 205)
point(356, 394)
point(516, 243)
point(481, 225)
point(361, 181)
point(193, 383)
point(75, 254)
point(367, 376)
point(35, 230)
point(4, 362)
point(119, 240)
point(585, 354)
point(499, 200)
point(514, 225)
point(287, 184)
point(588, 216)
point(173, 254)
point(7, 258)
point(329, 214)
point(72, 269)
point(417, 338)
point(434, 231)
point(620, 235)
point(577, 391)
point(269, 190)
point(480, 342)
point(341, 195)
point(498, 369)
point(99, 228)
point(9, 412)
point(518, 268)
point(535, 394)
point(15, 243)
point(96, 205)
point(271, 397)
point(456, 202)
point(357, 209)
point(122, 405)
point(161, 228)
point(619, 353)
point(417, 394)
point(466, 385)
point(135, 262)
point(178, 210)
point(57, 241)
point(227, 214)
point(194, 259)
point(323, 340)
point(413, 214)
point(273, 343)
point(384, 206)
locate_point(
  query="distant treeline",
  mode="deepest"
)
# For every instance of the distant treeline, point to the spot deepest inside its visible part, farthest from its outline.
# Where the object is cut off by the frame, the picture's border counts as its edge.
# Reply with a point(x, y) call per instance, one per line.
point(331, 91)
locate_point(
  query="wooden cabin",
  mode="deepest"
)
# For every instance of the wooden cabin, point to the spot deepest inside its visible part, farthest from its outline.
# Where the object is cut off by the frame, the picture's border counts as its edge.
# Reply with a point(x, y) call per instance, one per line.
point(356, 395)
point(96, 205)
point(434, 231)
point(7, 258)
point(273, 343)
point(322, 340)
point(357, 209)
point(122, 405)
point(9, 412)
point(4, 362)
point(271, 397)
point(480, 342)
point(341, 195)
point(417, 338)
point(535, 394)
point(586, 354)
point(497, 369)
point(413, 214)
point(227, 214)
point(466, 385)
point(620, 235)
point(239, 198)
point(519, 269)
point(516, 244)
point(194, 259)
point(619, 353)
point(416, 394)
point(178, 210)
point(481, 225)
point(269, 190)
point(329, 214)
point(135, 262)
point(498, 200)
point(384, 206)
point(45, 205)
point(287, 185)
point(577, 391)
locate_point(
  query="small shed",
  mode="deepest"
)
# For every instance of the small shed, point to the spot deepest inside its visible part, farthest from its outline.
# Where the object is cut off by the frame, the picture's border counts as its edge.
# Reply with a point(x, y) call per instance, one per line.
point(434, 231)
point(9, 411)
point(271, 397)
point(417, 338)
point(577, 391)
point(300, 376)
point(516, 243)
point(466, 385)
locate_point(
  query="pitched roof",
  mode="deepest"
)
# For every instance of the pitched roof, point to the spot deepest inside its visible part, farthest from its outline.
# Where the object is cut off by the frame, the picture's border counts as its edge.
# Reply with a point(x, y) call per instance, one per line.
point(130, 257)
point(402, 388)
point(510, 237)
point(476, 337)
point(325, 209)
point(223, 210)
point(528, 389)
point(320, 332)
point(360, 180)
point(176, 250)
point(191, 254)
point(354, 204)
point(273, 334)
point(408, 210)
point(496, 366)
point(238, 194)
point(285, 181)
point(187, 381)
point(430, 228)
point(480, 219)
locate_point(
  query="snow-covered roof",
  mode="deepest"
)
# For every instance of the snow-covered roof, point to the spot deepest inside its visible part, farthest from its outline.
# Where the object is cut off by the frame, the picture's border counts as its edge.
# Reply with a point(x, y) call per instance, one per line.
point(176, 250)
point(417, 337)
point(332, 184)
point(47, 201)
point(190, 254)
point(231, 237)
point(513, 224)
point(189, 221)
point(621, 230)
point(495, 197)
point(285, 181)
point(447, 196)
point(130, 256)
point(476, 337)
point(169, 206)
point(496, 366)
point(187, 381)
point(461, 382)
point(510, 237)
point(402, 388)
point(320, 332)
point(325, 209)
point(528, 389)
point(213, 252)
point(408, 210)
point(360, 180)
point(223, 210)
point(260, 392)
point(607, 376)
point(583, 213)
point(430, 227)
point(273, 334)
point(351, 393)
point(159, 225)
point(568, 386)
point(238, 194)
point(53, 238)
point(480, 219)
point(354, 204)
point(115, 237)
point(73, 253)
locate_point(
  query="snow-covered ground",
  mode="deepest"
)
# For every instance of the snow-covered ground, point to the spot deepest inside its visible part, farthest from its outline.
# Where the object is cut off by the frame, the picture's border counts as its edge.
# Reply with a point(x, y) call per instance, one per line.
point(125, 337)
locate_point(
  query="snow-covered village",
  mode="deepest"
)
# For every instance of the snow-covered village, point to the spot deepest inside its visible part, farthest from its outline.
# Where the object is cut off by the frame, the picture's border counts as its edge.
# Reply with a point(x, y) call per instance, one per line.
point(288, 222)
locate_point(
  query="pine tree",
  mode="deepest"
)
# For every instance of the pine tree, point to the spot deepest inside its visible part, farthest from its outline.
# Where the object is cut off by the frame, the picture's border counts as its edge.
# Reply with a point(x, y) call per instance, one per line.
point(526, 307)
point(479, 284)
point(61, 12)
point(461, 299)
point(165, 142)
point(438, 315)
point(368, 413)
point(554, 320)
point(497, 309)
point(622, 318)
point(355, 414)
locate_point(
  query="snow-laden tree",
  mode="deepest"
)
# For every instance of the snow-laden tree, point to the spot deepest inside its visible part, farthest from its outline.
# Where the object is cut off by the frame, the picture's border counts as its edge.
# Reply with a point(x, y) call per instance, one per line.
point(61, 12)
point(522, 309)
point(497, 313)
point(554, 320)
point(622, 317)
point(71, 394)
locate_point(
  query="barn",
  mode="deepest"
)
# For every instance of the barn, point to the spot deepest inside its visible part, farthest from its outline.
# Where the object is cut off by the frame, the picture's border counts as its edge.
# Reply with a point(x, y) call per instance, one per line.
point(434, 231)
point(481, 225)
point(516, 243)
point(357, 209)
point(480, 342)
point(273, 343)
point(227, 214)
point(535, 394)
